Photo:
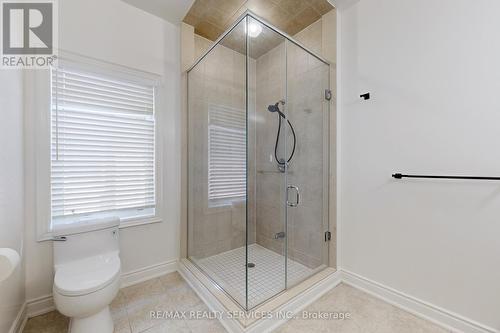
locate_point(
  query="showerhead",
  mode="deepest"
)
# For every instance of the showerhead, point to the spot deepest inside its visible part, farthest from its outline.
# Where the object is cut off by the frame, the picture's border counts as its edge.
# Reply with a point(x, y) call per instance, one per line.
point(276, 108)
point(273, 108)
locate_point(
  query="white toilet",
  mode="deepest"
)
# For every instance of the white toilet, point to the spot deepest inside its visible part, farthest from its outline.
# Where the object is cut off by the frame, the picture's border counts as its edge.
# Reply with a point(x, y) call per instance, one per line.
point(87, 274)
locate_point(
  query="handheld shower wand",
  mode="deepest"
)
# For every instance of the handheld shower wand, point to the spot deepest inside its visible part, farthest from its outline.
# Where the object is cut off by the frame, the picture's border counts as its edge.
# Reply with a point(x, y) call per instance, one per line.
point(282, 163)
point(276, 108)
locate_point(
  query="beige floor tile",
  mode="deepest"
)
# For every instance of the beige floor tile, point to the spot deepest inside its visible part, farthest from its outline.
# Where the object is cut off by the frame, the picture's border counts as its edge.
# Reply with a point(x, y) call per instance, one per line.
point(119, 301)
point(367, 314)
point(177, 326)
point(122, 325)
point(140, 300)
point(140, 317)
point(173, 280)
point(143, 293)
point(205, 326)
point(119, 313)
point(118, 307)
point(52, 322)
point(131, 312)
point(179, 298)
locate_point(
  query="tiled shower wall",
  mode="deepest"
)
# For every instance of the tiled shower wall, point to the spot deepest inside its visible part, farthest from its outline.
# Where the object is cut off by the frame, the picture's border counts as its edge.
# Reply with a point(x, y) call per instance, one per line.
point(308, 169)
point(270, 183)
point(219, 79)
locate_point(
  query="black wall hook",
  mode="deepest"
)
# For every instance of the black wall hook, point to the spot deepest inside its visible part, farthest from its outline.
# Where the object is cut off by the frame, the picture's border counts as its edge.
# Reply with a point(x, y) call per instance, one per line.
point(365, 96)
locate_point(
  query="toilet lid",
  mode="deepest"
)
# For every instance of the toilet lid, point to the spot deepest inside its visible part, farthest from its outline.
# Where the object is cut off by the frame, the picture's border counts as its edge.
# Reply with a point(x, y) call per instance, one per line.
point(87, 275)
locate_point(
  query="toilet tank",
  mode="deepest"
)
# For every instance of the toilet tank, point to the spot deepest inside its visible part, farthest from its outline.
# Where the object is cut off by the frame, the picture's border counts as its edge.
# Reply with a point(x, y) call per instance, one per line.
point(85, 239)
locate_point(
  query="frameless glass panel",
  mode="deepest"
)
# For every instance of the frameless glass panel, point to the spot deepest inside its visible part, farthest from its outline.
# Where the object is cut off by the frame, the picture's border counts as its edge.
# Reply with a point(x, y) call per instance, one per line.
point(308, 169)
point(217, 168)
point(258, 163)
point(266, 176)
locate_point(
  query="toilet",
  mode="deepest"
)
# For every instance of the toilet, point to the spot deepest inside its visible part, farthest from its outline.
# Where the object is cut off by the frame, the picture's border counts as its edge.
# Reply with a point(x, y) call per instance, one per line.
point(87, 274)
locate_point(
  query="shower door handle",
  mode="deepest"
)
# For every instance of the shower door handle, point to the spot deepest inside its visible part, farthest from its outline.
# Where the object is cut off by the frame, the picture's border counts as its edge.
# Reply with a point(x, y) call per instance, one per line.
point(297, 196)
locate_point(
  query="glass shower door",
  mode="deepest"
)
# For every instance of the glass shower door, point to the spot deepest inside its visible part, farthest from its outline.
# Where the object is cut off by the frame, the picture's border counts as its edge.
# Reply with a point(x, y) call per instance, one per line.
point(266, 212)
point(308, 170)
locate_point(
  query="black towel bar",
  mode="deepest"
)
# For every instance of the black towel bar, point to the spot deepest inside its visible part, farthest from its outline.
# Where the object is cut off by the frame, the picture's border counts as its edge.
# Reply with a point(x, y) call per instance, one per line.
point(400, 176)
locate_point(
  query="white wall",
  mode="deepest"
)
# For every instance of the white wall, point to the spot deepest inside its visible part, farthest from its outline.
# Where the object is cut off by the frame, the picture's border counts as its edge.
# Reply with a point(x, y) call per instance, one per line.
point(433, 70)
point(115, 32)
point(11, 191)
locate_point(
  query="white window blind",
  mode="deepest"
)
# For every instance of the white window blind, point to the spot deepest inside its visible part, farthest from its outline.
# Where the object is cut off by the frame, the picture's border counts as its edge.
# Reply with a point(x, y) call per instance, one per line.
point(102, 145)
point(226, 154)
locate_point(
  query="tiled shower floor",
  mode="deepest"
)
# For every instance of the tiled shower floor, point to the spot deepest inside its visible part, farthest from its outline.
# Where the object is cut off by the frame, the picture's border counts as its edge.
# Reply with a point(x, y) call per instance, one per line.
point(265, 280)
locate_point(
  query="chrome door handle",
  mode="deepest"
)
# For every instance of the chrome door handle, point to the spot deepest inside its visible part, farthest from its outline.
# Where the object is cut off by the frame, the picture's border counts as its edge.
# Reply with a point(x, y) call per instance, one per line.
point(297, 196)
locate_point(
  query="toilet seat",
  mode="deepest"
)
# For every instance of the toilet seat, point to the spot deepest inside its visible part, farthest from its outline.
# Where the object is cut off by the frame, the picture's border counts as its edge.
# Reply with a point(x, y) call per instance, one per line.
point(88, 275)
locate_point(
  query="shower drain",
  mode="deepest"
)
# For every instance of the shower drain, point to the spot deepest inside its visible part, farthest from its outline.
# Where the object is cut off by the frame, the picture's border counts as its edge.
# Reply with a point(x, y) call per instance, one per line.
point(250, 265)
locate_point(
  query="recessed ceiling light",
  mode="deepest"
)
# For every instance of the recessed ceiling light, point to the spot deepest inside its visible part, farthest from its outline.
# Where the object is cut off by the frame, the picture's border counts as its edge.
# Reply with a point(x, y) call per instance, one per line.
point(254, 29)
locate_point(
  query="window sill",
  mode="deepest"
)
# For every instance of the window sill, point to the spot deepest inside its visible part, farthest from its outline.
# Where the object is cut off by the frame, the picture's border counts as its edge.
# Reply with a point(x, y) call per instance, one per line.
point(138, 222)
point(48, 236)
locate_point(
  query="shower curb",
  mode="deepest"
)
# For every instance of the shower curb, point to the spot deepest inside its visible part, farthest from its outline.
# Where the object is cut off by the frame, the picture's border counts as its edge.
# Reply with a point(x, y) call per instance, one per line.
point(302, 295)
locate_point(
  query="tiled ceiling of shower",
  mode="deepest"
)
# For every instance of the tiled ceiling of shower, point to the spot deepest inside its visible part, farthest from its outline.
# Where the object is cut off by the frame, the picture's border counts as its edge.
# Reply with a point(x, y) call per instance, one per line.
point(266, 41)
point(211, 18)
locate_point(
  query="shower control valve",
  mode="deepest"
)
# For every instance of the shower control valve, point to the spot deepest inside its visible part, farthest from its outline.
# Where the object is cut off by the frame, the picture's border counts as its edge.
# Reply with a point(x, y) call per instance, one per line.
point(279, 235)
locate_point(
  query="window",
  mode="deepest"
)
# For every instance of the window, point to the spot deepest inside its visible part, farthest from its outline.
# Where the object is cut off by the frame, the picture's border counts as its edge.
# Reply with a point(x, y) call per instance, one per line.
point(226, 154)
point(102, 147)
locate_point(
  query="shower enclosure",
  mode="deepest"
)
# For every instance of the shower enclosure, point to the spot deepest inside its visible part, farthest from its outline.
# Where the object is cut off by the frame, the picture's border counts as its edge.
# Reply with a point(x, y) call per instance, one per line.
point(258, 162)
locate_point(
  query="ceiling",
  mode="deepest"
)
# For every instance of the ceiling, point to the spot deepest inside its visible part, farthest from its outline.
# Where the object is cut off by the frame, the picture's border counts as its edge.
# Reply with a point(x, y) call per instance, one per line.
point(170, 10)
point(266, 41)
point(211, 18)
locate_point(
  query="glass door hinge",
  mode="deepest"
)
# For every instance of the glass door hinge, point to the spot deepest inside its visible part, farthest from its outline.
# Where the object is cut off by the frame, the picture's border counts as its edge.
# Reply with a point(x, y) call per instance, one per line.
point(328, 236)
point(328, 94)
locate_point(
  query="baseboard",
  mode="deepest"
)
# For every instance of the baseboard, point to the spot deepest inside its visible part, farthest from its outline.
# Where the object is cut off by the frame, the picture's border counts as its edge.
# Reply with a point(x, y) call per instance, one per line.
point(20, 321)
point(147, 273)
point(415, 306)
point(41, 305)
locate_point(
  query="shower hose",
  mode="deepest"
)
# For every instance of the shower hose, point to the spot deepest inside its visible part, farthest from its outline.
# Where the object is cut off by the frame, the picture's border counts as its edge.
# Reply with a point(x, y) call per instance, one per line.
point(282, 162)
